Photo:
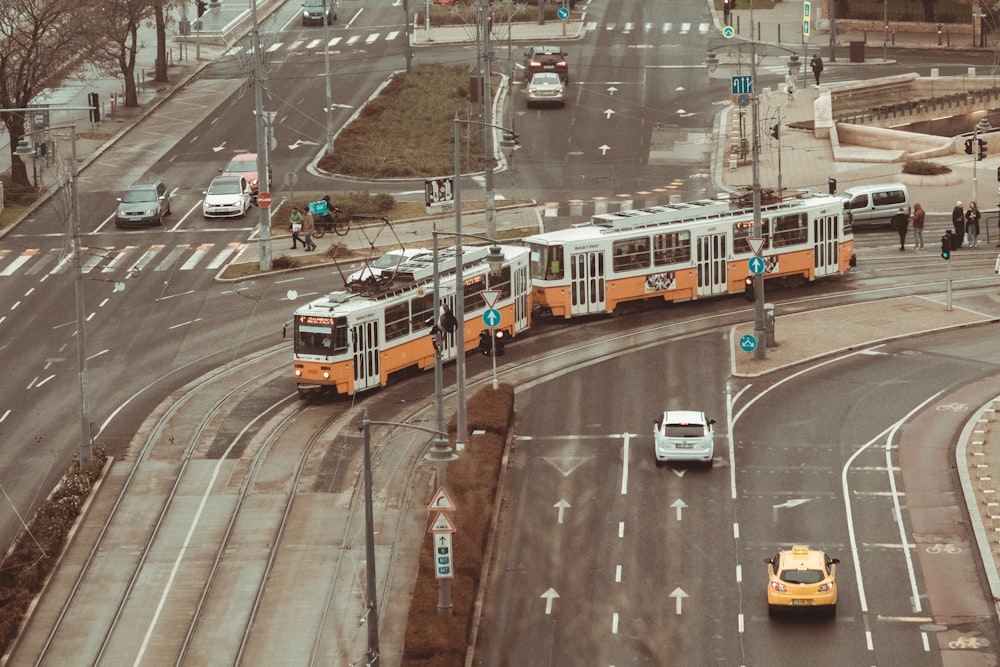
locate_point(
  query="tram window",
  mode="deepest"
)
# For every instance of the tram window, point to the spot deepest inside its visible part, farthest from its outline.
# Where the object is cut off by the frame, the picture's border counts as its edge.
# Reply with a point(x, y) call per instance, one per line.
point(421, 310)
point(631, 254)
point(473, 287)
point(546, 262)
point(397, 321)
point(671, 248)
point(554, 266)
point(790, 230)
point(501, 281)
point(322, 340)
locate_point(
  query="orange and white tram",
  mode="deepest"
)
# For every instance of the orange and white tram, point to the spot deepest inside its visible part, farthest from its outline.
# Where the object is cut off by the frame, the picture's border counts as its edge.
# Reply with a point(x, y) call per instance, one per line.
point(353, 340)
point(685, 251)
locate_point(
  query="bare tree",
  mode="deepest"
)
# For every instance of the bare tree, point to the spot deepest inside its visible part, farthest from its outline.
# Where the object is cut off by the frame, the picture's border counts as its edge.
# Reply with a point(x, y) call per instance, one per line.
point(40, 43)
point(162, 18)
point(116, 33)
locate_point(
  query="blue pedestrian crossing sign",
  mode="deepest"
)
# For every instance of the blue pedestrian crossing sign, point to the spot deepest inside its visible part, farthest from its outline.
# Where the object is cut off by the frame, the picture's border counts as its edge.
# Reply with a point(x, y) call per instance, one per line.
point(748, 343)
point(756, 265)
point(491, 318)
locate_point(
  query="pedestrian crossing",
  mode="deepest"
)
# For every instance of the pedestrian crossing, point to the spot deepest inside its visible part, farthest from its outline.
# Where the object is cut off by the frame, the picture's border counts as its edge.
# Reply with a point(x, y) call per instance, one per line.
point(120, 261)
point(367, 39)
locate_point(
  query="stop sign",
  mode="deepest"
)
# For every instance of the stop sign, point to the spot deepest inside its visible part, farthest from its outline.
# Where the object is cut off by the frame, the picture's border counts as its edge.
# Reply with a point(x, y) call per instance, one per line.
point(264, 199)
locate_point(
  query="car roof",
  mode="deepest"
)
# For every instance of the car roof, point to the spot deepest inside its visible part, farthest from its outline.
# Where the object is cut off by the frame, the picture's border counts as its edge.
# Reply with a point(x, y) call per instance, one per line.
point(145, 185)
point(227, 177)
point(684, 417)
point(546, 76)
point(801, 557)
point(546, 49)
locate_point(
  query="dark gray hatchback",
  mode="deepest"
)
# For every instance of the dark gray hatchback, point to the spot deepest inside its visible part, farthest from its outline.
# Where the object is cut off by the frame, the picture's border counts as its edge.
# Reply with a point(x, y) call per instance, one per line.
point(143, 204)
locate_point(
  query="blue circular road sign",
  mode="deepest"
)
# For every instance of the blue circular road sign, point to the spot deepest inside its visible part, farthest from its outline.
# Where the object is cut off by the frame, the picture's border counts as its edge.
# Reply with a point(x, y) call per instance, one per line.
point(562, 13)
point(756, 265)
point(728, 32)
point(748, 342)
point(491, 318)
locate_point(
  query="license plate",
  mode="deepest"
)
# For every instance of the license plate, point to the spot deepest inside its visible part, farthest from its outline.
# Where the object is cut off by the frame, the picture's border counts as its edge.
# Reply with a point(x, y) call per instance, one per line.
point(801, 602)
point(549, 66)
point(684, 445)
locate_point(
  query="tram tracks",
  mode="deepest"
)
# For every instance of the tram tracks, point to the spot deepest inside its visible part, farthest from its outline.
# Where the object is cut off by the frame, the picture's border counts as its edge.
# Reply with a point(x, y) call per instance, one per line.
point(238, 523)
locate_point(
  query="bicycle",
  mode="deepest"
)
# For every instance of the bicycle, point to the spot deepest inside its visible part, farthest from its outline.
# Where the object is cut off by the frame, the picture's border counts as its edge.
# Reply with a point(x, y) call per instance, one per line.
point(331, 221)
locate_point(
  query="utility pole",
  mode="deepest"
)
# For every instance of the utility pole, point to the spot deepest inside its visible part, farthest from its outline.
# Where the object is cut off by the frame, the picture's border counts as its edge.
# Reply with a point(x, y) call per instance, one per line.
point(263, 143)
point(486, 25)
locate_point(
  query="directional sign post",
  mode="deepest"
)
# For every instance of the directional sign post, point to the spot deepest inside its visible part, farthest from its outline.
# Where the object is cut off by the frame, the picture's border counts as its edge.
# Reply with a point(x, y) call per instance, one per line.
point(748, 342)
point(441, 531)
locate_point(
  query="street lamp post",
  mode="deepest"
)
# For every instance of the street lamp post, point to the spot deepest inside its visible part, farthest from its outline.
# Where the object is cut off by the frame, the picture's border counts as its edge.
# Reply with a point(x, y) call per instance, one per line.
point(509, 141)
point(759, 327)
point(86, 446)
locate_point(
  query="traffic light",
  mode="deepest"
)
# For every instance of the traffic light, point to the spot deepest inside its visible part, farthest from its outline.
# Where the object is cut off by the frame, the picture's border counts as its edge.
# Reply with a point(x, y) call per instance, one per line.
point(488, 343)
point(201, 7)
point(748, 288)
point(982, 149)
point(774, 131)
point(968, 146)
point(946, 246)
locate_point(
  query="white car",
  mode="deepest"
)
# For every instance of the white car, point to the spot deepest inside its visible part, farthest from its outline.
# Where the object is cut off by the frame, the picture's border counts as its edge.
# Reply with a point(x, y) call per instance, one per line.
point(226, 197)
point(684, 435)
point(546, 87)
point(386, 264)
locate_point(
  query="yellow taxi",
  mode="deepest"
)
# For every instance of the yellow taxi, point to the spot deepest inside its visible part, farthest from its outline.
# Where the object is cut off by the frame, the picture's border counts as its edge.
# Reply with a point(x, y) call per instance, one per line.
point(802, 577)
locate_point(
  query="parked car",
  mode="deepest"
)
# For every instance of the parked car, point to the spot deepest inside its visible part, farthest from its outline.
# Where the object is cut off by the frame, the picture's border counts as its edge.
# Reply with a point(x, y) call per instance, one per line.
point(684, 435)
point(143, 204)
point(802, 578)
point(313, 10)
point(226, 197)
point(546, 88)
point(387, 263)
point(545, 59)
point(245, 164)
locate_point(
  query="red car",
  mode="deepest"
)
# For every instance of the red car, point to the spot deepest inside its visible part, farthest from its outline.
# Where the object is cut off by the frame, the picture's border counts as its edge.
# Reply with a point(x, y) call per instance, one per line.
point(245, 165)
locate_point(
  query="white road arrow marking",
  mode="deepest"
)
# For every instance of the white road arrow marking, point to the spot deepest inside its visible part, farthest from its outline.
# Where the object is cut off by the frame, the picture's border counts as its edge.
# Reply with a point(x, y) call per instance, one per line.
point(678, 505)
point(679, 473)
point(612, 90)
point(549, 595)
point(219, 147)
point(608, 113)
point(300, 142)
point(604, 149)
point(794, 502)
point(562, 505)
point(679, 595)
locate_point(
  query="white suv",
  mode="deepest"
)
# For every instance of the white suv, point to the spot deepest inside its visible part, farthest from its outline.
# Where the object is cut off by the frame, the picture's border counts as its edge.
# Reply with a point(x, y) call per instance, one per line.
point(684, 435)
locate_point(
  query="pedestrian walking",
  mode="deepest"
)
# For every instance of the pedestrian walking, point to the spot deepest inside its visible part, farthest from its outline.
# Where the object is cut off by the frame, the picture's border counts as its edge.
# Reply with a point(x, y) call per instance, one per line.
point(958, 223)
point(972, 217)
point(900, 222)
point(295, 223)
point(817, 67)
point(308, 227)
point(917, 220)
point(790, 84)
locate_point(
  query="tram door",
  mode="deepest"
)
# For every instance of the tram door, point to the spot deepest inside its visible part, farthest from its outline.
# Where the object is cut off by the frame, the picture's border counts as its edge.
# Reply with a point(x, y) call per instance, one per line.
point(365, 351)
point(712, 275)
point(587, 283)
point(825, 253)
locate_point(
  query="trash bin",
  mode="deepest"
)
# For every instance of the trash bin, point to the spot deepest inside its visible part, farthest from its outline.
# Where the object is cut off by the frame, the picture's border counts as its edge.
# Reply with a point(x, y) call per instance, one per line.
point(831, 183)
point(857, 52)
point(769, 324)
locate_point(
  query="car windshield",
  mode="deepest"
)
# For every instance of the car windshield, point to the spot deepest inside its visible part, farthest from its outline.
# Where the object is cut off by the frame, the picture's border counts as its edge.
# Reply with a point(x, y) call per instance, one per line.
point(546, 79)
point(226, 187)
point(684, 430)
point(138, 196)
point(387, 261)
point(242, 166)
point(802, 576)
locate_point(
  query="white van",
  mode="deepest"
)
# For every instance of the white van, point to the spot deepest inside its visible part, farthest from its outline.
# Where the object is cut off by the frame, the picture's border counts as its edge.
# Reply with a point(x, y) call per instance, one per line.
point(876, 203)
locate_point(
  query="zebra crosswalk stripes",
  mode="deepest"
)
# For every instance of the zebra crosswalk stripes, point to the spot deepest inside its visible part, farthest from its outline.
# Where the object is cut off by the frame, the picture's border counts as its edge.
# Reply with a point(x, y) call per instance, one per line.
point(119, 261)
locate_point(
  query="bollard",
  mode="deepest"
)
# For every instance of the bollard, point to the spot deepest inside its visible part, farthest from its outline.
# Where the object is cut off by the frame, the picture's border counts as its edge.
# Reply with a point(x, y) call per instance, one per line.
point(831, 184)
point(940, 30)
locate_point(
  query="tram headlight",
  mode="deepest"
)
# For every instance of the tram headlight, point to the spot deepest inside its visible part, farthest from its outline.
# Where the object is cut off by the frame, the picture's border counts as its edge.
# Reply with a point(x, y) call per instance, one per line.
point(326, 375)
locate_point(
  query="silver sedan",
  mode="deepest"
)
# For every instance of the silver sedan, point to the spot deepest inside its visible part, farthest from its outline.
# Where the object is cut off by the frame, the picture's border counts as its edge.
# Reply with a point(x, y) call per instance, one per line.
point(547, 88)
